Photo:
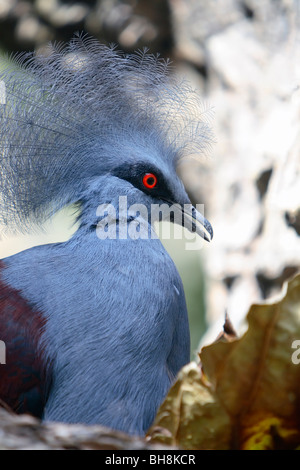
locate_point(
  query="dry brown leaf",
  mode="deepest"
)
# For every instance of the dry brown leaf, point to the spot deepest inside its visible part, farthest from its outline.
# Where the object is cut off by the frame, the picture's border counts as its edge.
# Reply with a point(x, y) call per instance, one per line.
point(191, 417)
point(248, 395)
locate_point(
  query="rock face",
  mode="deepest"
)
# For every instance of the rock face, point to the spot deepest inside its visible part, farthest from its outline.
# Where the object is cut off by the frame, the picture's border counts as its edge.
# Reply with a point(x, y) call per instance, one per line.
point(249, 53)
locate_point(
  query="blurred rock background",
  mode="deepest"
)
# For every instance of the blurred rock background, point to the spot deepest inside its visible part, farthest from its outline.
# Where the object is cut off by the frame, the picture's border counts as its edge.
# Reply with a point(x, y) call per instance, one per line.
point(243, 56)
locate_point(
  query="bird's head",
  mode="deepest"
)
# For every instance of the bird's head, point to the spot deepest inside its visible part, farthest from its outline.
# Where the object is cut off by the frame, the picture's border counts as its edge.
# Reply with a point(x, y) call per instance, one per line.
point(160, 194)
point(86, 120)
point(140, 186)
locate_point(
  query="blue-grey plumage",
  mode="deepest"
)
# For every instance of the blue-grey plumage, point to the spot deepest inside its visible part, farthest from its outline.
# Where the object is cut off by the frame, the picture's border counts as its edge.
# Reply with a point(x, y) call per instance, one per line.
point(116, 337)
point(87, 124)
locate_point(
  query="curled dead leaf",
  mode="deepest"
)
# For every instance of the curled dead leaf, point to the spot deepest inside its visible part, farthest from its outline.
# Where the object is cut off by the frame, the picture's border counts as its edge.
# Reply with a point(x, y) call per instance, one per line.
point(248, 395)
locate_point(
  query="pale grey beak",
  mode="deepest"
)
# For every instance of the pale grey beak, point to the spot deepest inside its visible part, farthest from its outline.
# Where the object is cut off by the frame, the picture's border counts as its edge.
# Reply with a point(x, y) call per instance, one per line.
point(200, 225)
point(191, 219)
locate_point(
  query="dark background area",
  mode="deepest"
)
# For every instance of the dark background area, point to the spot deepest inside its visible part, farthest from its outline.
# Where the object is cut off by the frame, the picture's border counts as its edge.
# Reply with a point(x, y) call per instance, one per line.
point(132, 24)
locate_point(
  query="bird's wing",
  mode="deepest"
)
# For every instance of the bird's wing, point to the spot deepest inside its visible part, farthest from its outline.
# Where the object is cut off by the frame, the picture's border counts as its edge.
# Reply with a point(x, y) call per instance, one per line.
point(24, 377)
point(180, 352)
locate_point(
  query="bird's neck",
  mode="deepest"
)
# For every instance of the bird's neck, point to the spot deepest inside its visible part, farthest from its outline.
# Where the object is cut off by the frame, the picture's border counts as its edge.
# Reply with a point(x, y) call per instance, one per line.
point(119, 218)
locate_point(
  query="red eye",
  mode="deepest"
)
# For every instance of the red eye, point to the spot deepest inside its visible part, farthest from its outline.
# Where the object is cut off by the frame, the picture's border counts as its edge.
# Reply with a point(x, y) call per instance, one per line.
point(149, 180)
